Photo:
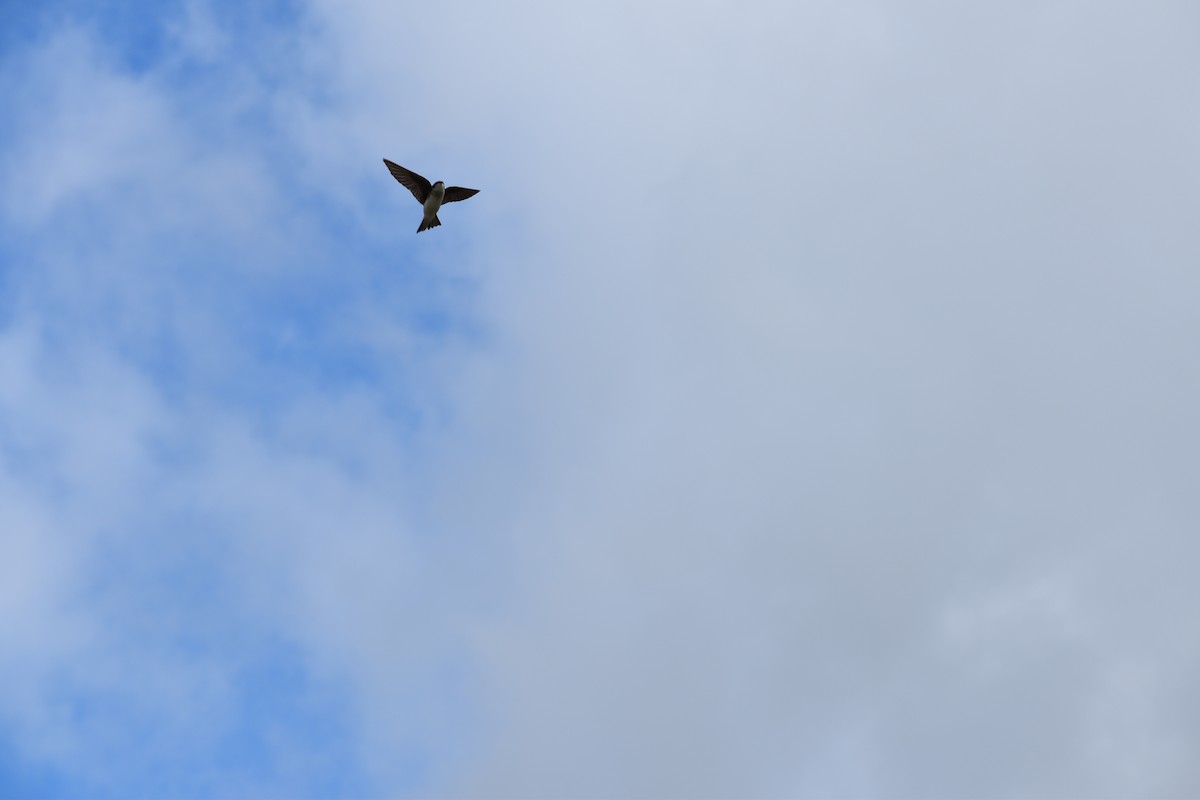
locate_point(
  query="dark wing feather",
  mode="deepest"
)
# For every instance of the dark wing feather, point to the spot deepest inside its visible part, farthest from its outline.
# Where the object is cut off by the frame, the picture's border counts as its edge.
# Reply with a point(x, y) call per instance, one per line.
point(411, 181)
point(456, 193)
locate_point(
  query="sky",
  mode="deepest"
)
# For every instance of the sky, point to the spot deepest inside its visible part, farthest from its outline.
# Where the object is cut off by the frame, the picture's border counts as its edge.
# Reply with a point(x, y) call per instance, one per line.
point(805, 407)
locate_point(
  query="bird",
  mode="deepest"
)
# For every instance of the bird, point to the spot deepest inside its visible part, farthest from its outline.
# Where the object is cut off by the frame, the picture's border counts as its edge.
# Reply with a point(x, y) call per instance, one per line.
point(431, 196)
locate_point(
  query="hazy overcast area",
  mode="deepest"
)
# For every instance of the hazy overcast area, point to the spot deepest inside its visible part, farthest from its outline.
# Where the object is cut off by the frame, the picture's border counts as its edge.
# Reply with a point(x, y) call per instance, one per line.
point(806, 407)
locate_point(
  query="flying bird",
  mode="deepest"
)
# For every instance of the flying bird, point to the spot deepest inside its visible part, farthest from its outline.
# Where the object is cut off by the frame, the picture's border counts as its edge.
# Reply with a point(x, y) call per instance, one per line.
point(431, 196)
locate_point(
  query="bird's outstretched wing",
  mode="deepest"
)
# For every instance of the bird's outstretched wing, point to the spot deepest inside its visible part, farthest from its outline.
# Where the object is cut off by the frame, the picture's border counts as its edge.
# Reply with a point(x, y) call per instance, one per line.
point(411, 181)
point(455, 193)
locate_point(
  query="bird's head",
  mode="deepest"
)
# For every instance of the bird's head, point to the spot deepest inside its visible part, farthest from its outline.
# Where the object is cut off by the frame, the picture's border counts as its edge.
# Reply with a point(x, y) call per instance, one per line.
point(441, 184)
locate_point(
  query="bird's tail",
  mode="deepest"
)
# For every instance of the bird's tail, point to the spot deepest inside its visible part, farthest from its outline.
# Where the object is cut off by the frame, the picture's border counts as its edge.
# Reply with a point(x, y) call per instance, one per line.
point(429, 223)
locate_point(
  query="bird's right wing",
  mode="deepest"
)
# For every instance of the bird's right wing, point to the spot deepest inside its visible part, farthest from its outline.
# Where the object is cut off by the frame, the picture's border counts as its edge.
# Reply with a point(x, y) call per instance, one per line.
point(455, 193)
point(411, 181)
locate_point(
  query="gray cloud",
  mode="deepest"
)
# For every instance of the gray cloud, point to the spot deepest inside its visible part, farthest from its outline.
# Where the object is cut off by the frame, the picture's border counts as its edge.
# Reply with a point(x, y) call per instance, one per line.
point(838, 401)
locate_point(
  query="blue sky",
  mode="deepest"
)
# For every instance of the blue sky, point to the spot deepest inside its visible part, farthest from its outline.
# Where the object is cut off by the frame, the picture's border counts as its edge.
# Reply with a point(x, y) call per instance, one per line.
point(803, 408)
point(171, 272)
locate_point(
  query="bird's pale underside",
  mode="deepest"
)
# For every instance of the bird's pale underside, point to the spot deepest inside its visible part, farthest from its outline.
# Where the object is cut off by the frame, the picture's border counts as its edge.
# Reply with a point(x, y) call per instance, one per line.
point(430, 195)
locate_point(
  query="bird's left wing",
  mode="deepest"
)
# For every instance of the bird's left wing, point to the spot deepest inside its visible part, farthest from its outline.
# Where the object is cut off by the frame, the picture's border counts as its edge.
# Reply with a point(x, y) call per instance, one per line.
point(455, 193)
